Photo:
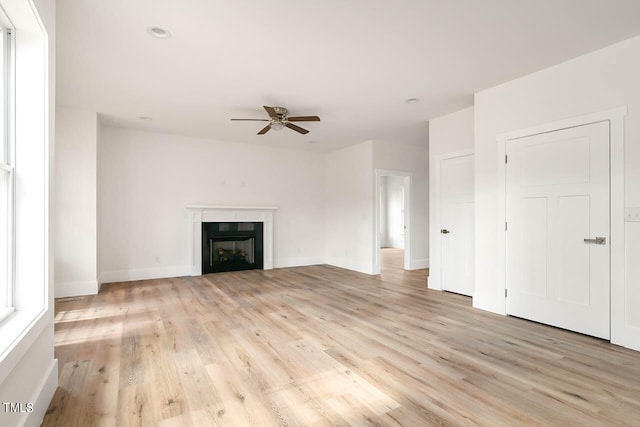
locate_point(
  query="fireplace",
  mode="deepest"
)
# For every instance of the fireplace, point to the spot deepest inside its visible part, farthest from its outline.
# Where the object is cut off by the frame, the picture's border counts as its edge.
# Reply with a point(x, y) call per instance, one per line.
point(232, 246)
point(200, 214)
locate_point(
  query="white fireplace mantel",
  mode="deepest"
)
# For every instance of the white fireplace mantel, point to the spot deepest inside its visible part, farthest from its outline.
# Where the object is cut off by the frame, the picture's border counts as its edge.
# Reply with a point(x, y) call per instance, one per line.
point(208, 213)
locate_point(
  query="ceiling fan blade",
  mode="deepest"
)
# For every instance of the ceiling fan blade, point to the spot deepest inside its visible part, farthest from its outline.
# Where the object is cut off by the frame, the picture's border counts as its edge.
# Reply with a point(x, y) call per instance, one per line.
point(296, 128)
point(265, 129)
point(272, 113)
point(253, 120)
point(304, 119)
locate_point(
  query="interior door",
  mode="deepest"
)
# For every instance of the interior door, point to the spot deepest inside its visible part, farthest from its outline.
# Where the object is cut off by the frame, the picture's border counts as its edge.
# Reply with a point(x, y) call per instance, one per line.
point(557, 237)
point(457, 219)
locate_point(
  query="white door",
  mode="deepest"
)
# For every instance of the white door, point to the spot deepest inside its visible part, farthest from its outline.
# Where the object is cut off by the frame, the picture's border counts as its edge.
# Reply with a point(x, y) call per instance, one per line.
point(457, 220)
point(557, 206)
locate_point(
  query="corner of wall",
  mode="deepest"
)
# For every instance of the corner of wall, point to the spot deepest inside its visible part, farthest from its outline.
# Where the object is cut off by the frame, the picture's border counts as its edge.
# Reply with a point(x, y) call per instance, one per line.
point(419, 263)
point(73, 289)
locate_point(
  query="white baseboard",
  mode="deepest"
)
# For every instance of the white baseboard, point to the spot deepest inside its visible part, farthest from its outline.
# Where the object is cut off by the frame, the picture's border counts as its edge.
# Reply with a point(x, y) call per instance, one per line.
point(417, 264)
point(74, 289)
point(298, 262)
point(43, 395)
point(145, 273)
point(350, 265)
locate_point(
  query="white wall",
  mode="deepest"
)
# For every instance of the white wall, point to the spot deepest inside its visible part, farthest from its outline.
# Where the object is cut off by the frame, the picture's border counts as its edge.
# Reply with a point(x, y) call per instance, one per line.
point(76, 226)
point(451, 133)
point(350, 208)
point(391, 189)
point(415, 161)
point(28, 370)
point(448, 135)
point(147, 180)
point(601, 80)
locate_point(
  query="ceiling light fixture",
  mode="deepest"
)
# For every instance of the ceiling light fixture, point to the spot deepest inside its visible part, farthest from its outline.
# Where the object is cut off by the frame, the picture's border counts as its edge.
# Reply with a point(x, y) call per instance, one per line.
point(277, 126)
point(411, 100)
point(159, 32)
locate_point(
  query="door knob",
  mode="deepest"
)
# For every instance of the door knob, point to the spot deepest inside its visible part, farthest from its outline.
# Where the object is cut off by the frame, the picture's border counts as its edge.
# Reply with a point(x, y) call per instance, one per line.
point(444, 231)
point(597, 240)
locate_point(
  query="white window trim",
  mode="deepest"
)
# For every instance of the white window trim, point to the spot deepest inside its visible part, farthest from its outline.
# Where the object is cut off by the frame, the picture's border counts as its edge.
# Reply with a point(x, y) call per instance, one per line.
point(7, 283)
point(7, 106)
point(33, 312)
point(6, 312)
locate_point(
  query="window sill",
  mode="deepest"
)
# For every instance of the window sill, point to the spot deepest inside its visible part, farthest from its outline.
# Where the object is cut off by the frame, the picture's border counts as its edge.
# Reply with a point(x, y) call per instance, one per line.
point(5, 313)
point(17, 333)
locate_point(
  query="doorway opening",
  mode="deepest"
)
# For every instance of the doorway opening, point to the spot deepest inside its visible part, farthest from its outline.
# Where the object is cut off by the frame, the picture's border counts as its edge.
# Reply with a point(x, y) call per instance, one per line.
point(391, 260)
point(392, 225)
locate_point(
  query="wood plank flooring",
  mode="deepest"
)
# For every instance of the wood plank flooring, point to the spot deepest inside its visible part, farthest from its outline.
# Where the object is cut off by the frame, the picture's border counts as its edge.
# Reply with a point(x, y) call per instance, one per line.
point(316, 346)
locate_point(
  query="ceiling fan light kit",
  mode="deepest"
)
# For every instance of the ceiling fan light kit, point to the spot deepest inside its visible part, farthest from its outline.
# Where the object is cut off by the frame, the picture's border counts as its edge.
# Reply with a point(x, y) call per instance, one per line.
point(278, 120)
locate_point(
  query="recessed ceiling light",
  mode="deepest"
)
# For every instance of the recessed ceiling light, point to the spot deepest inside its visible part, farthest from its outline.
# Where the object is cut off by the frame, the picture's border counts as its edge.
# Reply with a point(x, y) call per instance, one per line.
point(159, 32)
point(411, 100)
point(146, 118)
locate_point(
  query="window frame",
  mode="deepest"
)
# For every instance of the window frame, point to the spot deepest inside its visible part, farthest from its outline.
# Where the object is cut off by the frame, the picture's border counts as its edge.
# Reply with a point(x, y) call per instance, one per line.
point(7, 165)
point(32, 107)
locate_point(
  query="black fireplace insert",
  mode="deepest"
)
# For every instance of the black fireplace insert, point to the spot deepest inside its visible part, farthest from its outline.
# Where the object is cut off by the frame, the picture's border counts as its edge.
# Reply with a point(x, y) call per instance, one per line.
point(232, 246)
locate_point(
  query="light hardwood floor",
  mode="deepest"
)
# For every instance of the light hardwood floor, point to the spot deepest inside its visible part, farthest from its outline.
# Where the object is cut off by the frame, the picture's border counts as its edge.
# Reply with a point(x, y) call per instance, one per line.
point(324, 346)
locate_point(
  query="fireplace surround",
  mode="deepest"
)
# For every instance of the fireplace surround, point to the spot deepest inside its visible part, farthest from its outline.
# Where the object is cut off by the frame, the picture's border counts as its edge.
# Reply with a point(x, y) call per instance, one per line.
point(239, 214)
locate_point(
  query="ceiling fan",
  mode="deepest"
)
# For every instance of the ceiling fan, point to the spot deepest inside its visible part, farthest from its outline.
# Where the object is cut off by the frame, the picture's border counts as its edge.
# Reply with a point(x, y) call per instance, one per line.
point(278, 119)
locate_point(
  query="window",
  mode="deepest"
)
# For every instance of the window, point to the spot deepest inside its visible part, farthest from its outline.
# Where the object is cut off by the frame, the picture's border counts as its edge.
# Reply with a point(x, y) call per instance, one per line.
point(6, 170)
point(26, 289)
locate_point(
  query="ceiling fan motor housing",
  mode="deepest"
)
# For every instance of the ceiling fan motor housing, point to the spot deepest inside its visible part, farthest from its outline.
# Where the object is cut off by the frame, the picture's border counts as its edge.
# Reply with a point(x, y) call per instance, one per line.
point(281, 112)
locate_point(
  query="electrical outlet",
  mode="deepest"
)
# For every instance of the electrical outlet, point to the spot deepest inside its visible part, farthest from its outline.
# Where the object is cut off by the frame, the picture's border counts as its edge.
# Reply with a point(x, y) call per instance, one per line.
point(632, 214)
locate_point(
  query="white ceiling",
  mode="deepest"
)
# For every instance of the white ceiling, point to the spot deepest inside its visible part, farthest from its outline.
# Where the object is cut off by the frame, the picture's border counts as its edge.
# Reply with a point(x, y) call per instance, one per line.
point(351, 62)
